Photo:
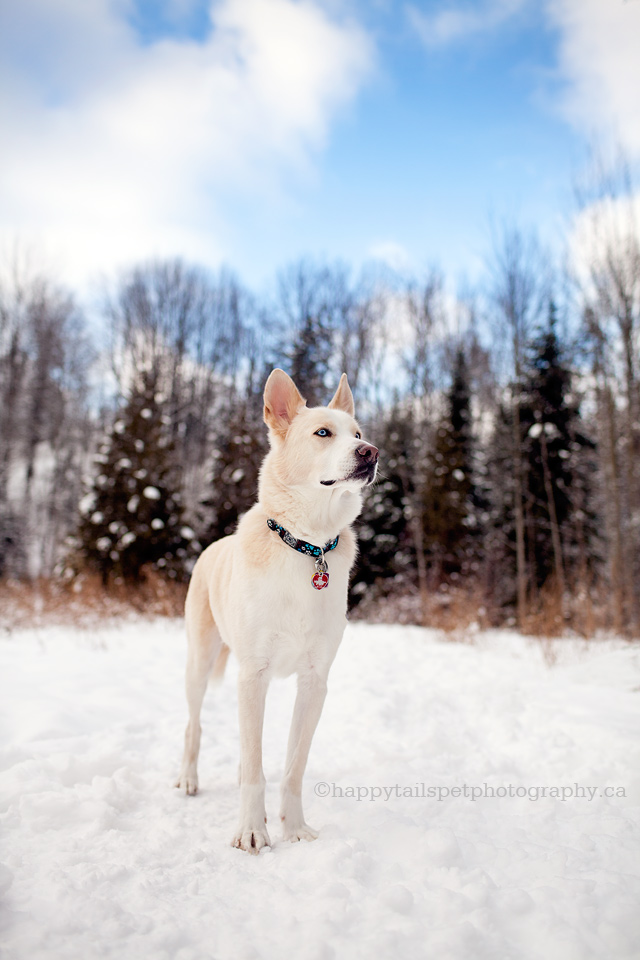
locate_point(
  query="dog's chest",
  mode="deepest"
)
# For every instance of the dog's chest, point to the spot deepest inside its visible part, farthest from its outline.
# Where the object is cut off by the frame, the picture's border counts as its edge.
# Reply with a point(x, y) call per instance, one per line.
point(302, 624)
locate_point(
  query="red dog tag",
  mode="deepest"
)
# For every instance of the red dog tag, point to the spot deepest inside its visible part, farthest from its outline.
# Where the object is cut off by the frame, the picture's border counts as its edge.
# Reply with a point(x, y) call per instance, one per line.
point(320, 580)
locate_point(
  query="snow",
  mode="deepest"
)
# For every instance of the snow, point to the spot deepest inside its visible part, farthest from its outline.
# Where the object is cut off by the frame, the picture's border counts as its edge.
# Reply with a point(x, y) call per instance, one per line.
point(86, 503)
point(102, 857)
point(151, 493)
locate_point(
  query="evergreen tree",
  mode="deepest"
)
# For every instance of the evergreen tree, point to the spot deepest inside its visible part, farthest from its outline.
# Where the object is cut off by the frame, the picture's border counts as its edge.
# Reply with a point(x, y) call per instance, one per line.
point(133, 514)
point(498, 526)
point(553, 441)
point(557, 459)
point(385, 551)
point(241, 447)
point(309, 357)
point(449, 492)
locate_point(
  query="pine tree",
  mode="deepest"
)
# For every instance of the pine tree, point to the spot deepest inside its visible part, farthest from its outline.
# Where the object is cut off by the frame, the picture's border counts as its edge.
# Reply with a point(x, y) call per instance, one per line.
point(133, 514)
point(385, 550)
point(449, 491)
point(553, 441)
point(498, 487)
point(309, 357)
point(241, 447)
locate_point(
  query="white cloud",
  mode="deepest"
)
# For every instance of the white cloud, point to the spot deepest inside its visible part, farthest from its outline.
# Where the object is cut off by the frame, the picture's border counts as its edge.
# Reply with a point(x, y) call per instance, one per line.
point(113, 150)
point(458, 23)
point(598, 55)
point(606, 232)
point(600, 60)
point(393, 254)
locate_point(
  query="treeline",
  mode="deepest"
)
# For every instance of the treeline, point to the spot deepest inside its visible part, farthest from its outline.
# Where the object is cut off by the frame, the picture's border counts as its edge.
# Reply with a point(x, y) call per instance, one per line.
point(508, 421)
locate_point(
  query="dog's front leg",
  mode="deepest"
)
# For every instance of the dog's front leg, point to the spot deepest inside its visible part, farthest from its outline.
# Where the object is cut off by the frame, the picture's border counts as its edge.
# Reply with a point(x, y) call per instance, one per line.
point(312, 690)
point(251, 834)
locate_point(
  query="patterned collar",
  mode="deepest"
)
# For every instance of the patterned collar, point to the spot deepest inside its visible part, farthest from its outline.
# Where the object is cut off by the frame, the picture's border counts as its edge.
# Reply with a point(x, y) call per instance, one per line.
point(302, 546)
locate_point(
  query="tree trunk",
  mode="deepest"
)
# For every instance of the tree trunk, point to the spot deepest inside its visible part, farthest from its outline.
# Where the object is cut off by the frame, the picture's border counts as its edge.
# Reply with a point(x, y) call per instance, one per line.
point(553, 520)
point(417, 536)
point(521, 566)
point(15, 363)
point(616, 542)
point(630, 546)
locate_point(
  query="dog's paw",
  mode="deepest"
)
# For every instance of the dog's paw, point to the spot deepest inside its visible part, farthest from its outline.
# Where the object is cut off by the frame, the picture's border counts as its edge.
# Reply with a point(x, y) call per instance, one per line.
point(294, 827)
point(251, 840)
point(188, 782)
point(300, 831)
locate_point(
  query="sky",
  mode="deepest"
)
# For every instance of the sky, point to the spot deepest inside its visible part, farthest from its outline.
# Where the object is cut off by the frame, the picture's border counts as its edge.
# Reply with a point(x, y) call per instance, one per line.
point(252, 133)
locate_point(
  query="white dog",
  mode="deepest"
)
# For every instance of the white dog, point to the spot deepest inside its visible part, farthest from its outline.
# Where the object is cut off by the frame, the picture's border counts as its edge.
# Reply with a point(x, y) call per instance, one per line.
point(276, 593)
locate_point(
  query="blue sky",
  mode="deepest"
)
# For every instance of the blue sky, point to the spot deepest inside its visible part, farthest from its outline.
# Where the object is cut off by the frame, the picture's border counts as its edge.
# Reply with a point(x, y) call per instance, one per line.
point(253, 132)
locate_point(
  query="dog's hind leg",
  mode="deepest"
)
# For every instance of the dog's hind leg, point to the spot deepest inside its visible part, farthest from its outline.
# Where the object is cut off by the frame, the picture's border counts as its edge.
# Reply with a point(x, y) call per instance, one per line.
point(204, 646)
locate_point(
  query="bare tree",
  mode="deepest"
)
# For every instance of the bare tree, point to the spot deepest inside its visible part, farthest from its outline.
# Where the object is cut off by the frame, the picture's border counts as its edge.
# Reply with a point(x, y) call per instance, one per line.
point(44, 365)
point(607, 275)
point(193, 330)
point(426, 329)
point(517, 295)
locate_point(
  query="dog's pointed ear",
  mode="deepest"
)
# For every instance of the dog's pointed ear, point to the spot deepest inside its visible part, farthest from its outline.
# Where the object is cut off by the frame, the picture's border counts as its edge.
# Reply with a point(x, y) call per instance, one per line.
point(343, 398)
point(282, 401)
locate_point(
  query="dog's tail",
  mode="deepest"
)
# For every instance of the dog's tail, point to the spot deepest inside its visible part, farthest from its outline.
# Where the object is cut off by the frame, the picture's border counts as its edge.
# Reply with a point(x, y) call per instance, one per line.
point(219, 666)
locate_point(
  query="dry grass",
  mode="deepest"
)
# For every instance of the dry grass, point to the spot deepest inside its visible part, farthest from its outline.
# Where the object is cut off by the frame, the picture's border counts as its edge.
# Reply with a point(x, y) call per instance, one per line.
point(457, 610)
point(451, 609)
point(86, 602)
point(585, 612)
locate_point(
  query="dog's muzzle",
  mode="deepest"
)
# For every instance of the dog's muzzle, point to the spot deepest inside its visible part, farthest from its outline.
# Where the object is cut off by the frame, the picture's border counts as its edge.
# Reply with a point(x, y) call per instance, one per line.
point(366, 463)
point(365, 468)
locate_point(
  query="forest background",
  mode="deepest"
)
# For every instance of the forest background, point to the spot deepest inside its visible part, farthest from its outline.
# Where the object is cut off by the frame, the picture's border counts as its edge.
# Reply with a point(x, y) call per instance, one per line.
point(508, 419)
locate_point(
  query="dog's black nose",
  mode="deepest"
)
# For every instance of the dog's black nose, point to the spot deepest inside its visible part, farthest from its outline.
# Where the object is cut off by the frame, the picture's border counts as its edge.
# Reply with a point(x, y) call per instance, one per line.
point(368, 452)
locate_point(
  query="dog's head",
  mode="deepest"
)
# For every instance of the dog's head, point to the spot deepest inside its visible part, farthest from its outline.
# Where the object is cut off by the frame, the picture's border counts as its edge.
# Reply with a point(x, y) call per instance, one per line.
point(321, 446)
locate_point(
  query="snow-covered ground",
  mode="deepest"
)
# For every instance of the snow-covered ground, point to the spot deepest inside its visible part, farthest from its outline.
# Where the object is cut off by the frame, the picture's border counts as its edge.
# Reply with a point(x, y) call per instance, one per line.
point(101, 857)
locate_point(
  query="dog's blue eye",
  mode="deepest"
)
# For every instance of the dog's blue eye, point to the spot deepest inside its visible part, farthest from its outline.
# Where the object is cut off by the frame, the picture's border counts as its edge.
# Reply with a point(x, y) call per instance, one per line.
point(358, 436)
point(323, 432)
